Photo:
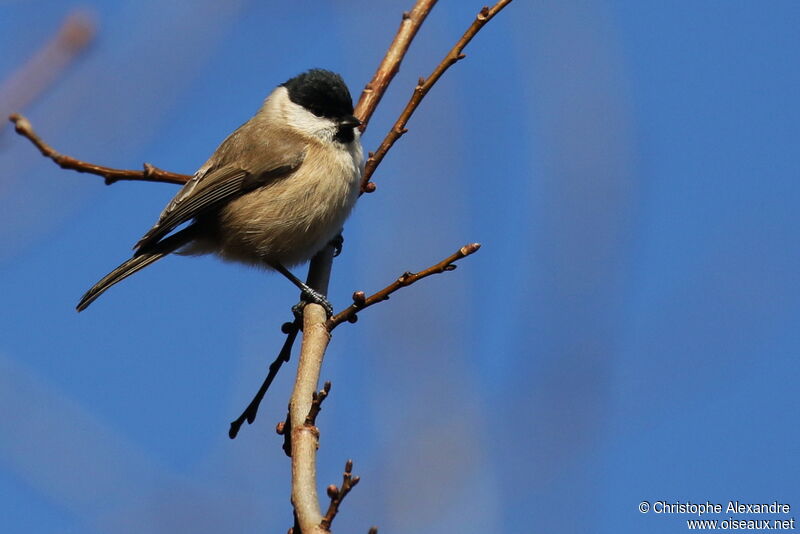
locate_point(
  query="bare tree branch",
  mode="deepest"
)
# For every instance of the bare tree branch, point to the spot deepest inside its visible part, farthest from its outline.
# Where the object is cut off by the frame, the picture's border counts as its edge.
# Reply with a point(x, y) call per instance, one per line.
point(149, 174)
point(305, 438)
point(423, 86)
point(337, 495)
point(249, 413)
point(390, 66)
point(361, 301)
point(316, 403)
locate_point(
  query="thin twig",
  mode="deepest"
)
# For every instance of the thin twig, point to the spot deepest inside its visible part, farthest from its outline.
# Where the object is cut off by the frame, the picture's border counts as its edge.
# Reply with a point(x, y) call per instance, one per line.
point(284, 427)
point(373, 92)
point(337, 495)
point(149, 174)
point(423, 86)
point(390, 66)
point(249, 413)
point(316, 403)
point(361, 301)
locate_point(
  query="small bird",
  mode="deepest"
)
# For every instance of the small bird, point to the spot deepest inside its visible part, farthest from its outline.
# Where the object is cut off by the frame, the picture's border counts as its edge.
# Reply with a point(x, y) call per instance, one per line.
point(273, 194)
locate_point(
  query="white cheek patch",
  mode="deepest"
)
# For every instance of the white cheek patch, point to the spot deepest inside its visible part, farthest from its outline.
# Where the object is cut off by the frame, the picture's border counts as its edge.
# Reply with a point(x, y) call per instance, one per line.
point(306, 122)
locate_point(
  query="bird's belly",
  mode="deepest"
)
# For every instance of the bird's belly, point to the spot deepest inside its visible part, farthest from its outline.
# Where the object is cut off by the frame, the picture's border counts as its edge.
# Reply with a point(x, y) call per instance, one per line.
point(288, 221)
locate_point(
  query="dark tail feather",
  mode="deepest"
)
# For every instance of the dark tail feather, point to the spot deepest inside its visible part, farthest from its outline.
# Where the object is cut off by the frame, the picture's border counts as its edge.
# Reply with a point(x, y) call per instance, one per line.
point(141, 260)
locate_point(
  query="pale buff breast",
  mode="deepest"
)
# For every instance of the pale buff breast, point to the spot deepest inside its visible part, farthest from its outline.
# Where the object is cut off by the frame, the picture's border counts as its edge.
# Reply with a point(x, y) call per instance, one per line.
point(291, 219)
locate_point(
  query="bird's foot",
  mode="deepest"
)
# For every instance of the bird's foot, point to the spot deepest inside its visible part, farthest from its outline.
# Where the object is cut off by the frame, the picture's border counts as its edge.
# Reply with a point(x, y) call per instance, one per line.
point(337, 243)
point(311, 296)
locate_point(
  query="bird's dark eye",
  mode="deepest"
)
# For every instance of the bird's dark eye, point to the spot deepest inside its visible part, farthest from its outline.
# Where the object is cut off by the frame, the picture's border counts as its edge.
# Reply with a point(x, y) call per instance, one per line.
point(345, 134)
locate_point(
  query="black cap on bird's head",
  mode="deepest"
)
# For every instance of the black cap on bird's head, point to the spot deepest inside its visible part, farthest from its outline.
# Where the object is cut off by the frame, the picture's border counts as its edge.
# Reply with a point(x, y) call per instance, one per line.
point(321, 92)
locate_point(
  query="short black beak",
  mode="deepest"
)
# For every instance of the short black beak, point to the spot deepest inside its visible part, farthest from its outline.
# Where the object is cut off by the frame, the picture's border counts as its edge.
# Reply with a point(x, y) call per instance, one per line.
point(350, 121)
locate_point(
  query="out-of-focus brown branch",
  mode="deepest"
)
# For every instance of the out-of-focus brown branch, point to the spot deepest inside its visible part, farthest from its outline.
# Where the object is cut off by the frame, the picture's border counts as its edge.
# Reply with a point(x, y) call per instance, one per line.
point(149, 174)
point(337, 495)
point(423, 86)
point(361, 301)
point(43, 68)
point(390, 66)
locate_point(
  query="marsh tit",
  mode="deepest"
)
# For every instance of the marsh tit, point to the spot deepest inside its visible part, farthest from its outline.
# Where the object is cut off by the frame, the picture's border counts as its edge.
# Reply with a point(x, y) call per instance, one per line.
point(273, 194)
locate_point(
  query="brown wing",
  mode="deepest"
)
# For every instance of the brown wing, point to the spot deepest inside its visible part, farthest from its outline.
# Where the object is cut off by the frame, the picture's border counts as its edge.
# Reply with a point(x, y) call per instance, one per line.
point(242, 163)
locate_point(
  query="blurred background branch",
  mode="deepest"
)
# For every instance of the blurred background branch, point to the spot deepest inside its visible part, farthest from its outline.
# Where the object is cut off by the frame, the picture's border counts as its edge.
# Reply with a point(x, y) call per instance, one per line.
point(39, 72)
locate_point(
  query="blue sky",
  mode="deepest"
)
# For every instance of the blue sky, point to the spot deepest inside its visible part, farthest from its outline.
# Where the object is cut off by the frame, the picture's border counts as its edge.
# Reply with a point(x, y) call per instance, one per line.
point(628, 331)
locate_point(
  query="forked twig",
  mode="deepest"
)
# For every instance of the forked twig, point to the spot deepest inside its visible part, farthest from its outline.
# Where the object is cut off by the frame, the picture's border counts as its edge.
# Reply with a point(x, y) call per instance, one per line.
point(337, 495)
point(390, 65)
point(423, 86)
point(316, 403)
